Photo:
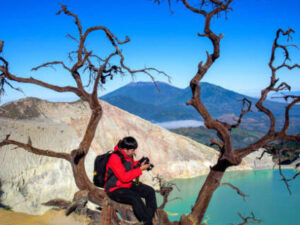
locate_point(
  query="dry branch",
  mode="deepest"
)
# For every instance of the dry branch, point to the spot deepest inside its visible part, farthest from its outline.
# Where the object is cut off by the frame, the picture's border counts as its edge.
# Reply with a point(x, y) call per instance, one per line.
point(294, 177)
point(262, 154)
point(239, 192)
point(146, 70)
point(216, 142)
point(1, 46)
point(278, 153)
point(249, 219)
point(11, 77)
point(51, 63)
point(165, 188)
point(272, 135)
point(193, 9)
point(29, 148)
point(246, 107)
point(58, 203)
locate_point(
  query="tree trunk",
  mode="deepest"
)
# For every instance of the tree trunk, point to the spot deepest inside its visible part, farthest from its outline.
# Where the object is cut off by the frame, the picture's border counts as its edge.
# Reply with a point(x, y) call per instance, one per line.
point(212, 182)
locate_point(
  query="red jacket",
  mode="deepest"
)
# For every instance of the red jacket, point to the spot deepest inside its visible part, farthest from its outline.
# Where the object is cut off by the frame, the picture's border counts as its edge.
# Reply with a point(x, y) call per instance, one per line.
point(120, 173)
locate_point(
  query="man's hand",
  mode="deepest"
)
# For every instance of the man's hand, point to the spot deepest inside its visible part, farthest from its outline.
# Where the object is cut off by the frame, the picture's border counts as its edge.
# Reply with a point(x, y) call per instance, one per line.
point(144, 166)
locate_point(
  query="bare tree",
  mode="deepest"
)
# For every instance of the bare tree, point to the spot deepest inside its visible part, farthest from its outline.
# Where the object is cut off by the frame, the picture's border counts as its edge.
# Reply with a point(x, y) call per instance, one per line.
point(97, 70)
point(97, 75)
point(228, 156)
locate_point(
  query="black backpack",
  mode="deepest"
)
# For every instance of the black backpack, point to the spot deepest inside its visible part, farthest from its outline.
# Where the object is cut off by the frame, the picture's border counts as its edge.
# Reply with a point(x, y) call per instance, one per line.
point(100, 167)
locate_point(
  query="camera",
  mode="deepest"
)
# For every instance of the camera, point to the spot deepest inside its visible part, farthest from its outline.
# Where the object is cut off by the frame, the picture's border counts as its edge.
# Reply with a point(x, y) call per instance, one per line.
point(147, 161)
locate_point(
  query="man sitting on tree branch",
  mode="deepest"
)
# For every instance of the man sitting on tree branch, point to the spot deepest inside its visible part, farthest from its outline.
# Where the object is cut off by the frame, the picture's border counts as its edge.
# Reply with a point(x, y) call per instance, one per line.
point(121, 170)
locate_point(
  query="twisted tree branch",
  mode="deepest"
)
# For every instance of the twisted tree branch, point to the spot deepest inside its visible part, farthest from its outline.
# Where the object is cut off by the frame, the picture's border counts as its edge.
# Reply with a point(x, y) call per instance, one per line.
point(249, 219)
point(271, 135)
point(216, 142)
point(239, 192)
point(51, 63)
point(29, 148)
point(165, 188)
point(247, 104)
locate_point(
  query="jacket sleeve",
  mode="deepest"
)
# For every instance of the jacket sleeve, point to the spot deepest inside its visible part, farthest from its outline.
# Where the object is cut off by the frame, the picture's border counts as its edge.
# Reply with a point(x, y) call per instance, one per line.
point(135, 163)
point(119, 170)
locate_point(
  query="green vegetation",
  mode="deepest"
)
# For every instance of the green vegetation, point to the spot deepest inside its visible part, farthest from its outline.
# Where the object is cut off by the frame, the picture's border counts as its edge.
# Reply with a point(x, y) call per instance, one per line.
point(287, 157)
point(240, 137)
point(288, 144)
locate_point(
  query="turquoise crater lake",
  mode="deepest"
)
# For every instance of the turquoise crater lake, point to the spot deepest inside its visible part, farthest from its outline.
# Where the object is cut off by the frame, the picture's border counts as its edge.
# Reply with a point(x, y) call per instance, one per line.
point(267, 198)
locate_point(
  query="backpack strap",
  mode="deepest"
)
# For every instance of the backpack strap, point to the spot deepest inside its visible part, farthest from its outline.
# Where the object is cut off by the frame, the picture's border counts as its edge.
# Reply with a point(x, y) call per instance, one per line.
point(122, 160)
point(120, 155)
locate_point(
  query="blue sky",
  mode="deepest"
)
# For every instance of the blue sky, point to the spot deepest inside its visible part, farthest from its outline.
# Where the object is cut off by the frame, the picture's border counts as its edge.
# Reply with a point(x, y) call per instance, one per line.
point(33, 34)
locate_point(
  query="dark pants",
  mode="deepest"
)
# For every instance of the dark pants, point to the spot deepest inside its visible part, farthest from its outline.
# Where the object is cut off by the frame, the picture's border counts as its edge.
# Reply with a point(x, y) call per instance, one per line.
point(133, 196)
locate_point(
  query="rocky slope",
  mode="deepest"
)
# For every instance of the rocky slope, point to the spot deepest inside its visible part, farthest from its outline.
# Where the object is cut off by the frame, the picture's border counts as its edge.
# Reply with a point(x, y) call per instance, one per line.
point(29, 180)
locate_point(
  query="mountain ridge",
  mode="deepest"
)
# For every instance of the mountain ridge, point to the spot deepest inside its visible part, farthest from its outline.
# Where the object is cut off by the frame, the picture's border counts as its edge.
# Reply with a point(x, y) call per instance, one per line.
point(144, 100)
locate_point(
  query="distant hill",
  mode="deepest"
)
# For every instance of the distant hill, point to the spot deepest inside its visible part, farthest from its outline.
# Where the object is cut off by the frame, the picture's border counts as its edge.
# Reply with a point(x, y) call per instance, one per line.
point(240, 137)
point(146, 92)
point(169, 103)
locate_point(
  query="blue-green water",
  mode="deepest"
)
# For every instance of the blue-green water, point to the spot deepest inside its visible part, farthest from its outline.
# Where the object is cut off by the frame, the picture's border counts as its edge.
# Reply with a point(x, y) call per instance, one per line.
point(268, 198)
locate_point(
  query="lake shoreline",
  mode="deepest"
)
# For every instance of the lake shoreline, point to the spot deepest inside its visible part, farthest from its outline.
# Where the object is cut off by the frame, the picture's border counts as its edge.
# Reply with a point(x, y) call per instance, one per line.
point(53, 217)
point(236, 170)
point(267, 196)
